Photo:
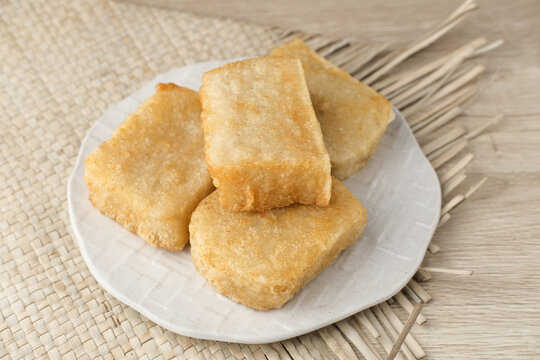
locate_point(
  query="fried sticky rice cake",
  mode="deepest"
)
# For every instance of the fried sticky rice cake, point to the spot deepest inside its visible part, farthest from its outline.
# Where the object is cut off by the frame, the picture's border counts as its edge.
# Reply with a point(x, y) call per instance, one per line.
point(151, 174)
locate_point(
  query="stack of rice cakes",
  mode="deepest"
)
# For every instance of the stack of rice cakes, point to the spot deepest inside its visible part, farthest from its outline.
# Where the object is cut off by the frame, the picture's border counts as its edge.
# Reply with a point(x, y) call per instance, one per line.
point(275, 131)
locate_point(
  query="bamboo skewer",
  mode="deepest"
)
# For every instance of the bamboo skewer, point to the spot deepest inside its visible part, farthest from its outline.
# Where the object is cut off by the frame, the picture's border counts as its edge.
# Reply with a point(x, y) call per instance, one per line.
point(432, 118)
point(453, 183)
point(448, 271)
point(291, 36)
point(364, 321)
point(433, 248)
point(495, 44)
point(339, 58)
point(411, 98)
point(419, 290)
point(453, 80)
point(392, 83)
point(384, 339)
point(333, 47)
point(400, 91)
point(460, 81)
point(468, 5)
point(309, 37)
point(393, 333)
point(406, 328)
point(444, 149)
point(365, 338)
point(475, 187)
point(457, 167)
point(422, 275)
point(462, 70)
point(411, 342)
point(281, 32)
point(318, 43)
point(444, 219)
point(377, 64)
point(411, 294)
point(448, 137)
point(459, 13)
point(439, 122)
point(429, 80)
point(416, 46)
point(455, 201)
point(408, 306)
point(449, 153)
point(432, 89)
point(326, 42)
point(337, 343)
point(450, 83)
point(355, 65)
point(357, 341)
point(474, 133)
point(456, 98)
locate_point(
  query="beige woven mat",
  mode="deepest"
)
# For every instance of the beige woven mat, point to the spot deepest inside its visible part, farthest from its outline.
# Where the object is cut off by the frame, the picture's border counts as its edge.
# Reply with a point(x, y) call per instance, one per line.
point(64, 63)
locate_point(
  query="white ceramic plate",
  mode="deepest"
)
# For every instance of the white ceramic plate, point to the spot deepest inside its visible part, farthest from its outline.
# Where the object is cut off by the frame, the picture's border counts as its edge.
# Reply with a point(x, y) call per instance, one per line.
point(398, 187)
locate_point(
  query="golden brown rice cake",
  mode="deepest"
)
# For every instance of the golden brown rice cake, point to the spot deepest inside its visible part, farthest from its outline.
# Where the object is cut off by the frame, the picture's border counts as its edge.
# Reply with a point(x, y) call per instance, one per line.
point(263, 143)
point(151, 174)
point(352, 115)
point(262, 260)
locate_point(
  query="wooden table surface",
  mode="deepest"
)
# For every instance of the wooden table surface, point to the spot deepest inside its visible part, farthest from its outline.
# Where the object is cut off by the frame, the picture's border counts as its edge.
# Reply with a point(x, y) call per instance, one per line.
point(496, 233)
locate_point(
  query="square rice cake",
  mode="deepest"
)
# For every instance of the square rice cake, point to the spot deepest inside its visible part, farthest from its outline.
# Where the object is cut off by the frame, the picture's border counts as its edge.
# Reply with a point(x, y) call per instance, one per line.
point(263, 143)
point(262, 260)
point(352, 115)
point(151, 174)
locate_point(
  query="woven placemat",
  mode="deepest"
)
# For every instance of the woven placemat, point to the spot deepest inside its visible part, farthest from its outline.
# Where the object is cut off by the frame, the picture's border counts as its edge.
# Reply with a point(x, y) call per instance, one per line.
point(65, 63)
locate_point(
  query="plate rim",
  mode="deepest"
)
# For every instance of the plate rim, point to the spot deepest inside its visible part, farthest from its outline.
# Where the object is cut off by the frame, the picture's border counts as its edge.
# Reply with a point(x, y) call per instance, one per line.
point(217, 336)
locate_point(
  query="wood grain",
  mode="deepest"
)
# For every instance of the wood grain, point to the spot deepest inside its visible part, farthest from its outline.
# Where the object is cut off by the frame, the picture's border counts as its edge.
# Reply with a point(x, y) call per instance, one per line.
point(496, 233)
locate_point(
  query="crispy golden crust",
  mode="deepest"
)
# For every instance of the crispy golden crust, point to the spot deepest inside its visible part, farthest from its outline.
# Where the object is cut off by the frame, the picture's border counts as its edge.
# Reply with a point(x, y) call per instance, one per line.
point(151, 174)
point(263, 143)
point(262, 260)
point(353, 116)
